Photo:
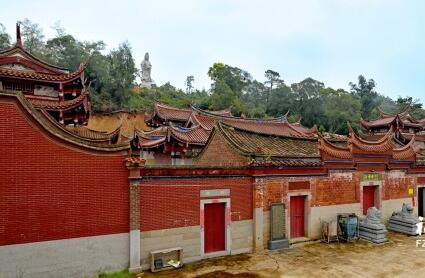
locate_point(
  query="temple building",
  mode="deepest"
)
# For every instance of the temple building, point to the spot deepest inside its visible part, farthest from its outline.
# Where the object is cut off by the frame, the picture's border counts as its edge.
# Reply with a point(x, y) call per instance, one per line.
point(60, 92)
point(199, 183)
point(181, 134)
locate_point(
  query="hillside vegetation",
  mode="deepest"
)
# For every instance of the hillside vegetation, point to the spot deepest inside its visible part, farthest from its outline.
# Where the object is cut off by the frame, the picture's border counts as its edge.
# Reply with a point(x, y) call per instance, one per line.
point(113, 86)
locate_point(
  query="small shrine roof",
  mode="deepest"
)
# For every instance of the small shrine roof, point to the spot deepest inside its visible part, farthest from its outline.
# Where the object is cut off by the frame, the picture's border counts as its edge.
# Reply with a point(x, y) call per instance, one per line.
point(193, 136)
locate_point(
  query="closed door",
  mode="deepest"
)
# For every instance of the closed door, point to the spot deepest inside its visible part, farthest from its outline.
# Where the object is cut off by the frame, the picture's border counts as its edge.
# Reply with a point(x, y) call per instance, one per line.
point(214, 229)
point(368, 198)
point(297, 215)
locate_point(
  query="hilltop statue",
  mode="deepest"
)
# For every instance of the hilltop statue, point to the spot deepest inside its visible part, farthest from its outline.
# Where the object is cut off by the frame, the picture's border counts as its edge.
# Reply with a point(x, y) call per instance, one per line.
point(146, 67)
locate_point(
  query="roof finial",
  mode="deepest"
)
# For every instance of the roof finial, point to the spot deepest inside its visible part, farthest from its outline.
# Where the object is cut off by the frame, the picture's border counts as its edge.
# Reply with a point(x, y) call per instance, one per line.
point(18, 34)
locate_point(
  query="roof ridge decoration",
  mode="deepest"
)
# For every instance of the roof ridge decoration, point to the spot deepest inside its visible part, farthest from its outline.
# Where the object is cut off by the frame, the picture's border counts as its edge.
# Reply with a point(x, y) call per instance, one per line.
point(212, 114)
point(18, 47)
point(406, 152)
point(381, 146)
point(32, 75)
point(59, 131)
point(333, 150)
point(196, 135)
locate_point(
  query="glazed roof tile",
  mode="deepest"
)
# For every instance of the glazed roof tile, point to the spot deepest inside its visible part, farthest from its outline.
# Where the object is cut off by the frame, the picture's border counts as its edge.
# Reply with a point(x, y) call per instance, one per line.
point(193, 136)
point(171, 113)
point(59, 105)
point(259, 144)
point(32, 75)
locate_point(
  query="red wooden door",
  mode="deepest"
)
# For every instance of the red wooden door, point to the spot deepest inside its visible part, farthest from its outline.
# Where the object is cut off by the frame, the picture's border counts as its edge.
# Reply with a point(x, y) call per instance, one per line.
point(297, 216)
point(368, 198)
point(214, 229)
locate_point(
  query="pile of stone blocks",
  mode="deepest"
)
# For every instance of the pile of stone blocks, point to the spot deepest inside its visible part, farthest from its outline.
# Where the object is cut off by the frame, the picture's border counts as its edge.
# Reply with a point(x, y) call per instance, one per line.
point(371, 229)
point(406, 222)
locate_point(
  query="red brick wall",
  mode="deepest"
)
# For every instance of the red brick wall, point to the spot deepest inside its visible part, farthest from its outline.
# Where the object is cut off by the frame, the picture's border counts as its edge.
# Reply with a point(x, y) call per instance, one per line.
point(335, 190)
point(52, 191)
point(172, 203)
point(396, 186)
point(219, 153)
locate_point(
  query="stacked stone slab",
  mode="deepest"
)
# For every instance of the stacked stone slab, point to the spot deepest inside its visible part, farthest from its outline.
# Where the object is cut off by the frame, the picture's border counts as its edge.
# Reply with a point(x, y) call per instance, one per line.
point(405, 222)
point(371, 229)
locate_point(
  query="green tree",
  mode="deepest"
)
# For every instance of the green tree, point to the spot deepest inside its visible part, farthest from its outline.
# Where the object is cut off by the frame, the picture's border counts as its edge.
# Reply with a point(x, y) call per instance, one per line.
point(340, 107)
point(189, 83)
point(272, 80)
point(4, 38)
point(33, 37)
point(365, 91)
point(309, 104)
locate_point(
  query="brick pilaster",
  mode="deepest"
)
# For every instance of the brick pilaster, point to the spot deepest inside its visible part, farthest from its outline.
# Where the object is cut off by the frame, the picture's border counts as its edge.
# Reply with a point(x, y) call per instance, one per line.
point(134, 165)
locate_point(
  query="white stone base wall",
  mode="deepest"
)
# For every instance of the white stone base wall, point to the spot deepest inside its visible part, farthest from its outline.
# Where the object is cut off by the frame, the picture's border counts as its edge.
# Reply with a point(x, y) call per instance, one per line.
point(266, 228)
point(188, 238)
point(242, 237)
point(389, 206)
point(76, 257)
point(327, 213)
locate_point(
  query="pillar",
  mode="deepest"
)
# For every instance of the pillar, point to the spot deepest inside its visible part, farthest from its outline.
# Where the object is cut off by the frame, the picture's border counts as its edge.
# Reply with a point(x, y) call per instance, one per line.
point(258, 214)
point(134, 165)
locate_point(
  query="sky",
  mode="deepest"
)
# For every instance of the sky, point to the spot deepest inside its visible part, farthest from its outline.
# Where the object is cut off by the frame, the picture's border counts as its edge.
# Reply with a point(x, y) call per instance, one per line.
point(330, 40)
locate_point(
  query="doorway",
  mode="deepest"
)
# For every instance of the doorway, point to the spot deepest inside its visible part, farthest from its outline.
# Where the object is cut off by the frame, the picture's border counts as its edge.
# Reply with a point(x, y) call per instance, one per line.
point(215, 228)
point(369, 198)
point(297, 216)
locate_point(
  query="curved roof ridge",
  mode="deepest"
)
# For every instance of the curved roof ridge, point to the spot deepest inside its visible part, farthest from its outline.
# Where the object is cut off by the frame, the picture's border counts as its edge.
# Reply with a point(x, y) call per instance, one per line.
point(62, 77)
point(298, 136)
point(40, 62)
point(211, 113)
point(59, 131)
point(333, 150)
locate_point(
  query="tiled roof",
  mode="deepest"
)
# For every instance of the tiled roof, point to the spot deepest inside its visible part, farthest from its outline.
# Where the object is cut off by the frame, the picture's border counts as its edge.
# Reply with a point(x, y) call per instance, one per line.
point(59, 131)
point(84, 132)
point(289, 162)
point(32, 75)
point(59, 105)
point(385, 119)
point(406, 152)
point(19, 50)
point(271, 128)
point(257, 144)
point(170, 113)
point(193, 136)
point(333, 150)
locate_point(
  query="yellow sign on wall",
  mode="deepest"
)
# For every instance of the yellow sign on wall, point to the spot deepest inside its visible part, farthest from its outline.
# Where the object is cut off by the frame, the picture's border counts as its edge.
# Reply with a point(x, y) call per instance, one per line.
point(411, 191)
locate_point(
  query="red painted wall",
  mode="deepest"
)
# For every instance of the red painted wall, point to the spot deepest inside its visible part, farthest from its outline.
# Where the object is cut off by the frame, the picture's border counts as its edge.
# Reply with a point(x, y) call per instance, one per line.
point(172, 203)
point(51, 191)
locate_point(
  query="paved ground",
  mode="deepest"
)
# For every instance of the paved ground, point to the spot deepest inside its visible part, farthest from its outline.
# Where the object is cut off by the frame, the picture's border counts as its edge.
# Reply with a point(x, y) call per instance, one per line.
point(397, 258)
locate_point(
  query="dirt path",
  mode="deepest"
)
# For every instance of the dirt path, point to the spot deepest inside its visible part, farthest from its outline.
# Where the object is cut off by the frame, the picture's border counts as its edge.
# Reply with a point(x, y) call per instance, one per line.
point(397, 258)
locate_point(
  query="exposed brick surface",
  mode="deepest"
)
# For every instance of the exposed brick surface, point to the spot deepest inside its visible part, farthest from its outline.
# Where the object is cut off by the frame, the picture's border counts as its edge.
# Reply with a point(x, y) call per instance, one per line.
point(52, 191)
point(335, 190)
point(171, 203)
point(219, 153)
point(396, 186)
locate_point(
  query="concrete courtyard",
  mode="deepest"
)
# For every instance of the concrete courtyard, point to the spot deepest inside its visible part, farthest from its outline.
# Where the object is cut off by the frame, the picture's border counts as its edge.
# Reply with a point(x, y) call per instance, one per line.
point(399, 257)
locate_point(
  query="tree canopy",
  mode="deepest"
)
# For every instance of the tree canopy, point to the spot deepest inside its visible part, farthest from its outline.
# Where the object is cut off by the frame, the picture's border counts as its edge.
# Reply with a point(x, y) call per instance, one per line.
point(113, 85)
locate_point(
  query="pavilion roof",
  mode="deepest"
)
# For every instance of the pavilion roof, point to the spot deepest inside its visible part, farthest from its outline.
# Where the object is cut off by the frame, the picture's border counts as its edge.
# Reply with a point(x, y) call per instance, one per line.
point(50, 104)
point(32, 75)
point(403, 118)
